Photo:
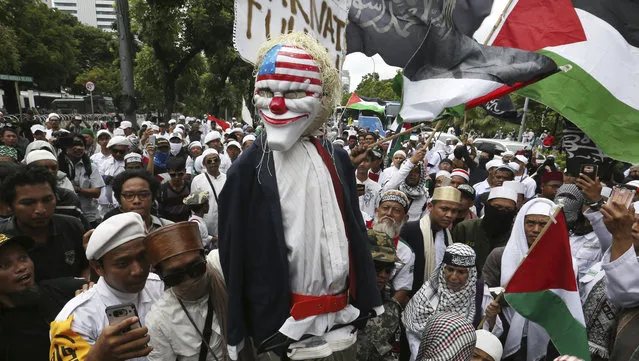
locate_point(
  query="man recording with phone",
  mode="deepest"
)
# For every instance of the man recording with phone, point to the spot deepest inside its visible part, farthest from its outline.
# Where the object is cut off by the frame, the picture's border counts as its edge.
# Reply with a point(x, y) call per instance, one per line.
point(82, 330)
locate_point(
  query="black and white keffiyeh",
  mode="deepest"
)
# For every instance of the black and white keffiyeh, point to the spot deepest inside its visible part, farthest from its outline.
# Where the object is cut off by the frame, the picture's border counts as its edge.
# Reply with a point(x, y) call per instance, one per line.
point(419, 190)
point(447, 337)
point(420, 308)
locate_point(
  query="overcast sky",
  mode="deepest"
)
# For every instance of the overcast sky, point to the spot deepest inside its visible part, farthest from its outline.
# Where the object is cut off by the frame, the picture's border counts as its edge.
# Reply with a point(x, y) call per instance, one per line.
point(359, 64)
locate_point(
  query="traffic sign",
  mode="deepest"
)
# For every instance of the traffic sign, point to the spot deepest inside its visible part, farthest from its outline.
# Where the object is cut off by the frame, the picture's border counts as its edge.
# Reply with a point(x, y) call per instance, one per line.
point(89, 85)
point(26, 79)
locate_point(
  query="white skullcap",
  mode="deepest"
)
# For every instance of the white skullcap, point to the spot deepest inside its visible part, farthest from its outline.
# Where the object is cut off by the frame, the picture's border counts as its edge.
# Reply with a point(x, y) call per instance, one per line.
point(235, 130)
point(606, 192)
point(119, 140)
point(634, 183)
point(508, 152)
point(212, 136)
point(252, 137)
point(460, 173)
point(178, 130)
point(227, 131)
point(442, 173)
point(39, 144)
point(195, 144)
point(515, 166)
point(175, 134)
point(64, 131)
point(521, 158)
point(208, 152)
point(181, 117)
point(132, 158)
point(414, 138)
point(234, 143)
point(126, 124)
point(118, 132)
point(493, 164)
point(53, 115)
point(489, 343)
point(503, 192)
point(38, 128)
point(399, 152)
point(518, 187)
point(339, 142)
point(541, 208)
point(103, 131)
point(114, 232)
point(39, 154)
point(155, 128)
point(172, 121)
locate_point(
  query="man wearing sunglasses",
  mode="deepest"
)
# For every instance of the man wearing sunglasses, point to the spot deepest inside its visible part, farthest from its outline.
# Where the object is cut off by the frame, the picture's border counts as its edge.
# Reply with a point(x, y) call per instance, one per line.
point(373, 341)
point(82, 331)
point(187, 322)
point(211, 181)
point(119, 146)
point(173, 192)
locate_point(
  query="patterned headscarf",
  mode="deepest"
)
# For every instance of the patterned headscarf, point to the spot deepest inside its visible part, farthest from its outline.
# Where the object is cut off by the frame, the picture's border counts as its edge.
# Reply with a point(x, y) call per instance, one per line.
point(419, 190)
point(420, 308)
point(6, 151)
point(447, 337)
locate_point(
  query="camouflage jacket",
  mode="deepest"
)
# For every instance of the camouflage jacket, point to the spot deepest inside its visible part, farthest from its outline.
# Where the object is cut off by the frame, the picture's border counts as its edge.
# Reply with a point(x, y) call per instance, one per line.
point(374, 341)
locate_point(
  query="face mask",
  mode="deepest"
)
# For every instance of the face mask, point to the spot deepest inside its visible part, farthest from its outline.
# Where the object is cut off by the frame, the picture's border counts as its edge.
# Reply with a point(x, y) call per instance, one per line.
point(192, 289)
point(176, 148)
point(288, 98)
point(497, 222)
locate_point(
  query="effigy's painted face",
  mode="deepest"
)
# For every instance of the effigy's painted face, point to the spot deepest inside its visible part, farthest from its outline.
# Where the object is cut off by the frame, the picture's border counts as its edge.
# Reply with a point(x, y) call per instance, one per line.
point(288, 94)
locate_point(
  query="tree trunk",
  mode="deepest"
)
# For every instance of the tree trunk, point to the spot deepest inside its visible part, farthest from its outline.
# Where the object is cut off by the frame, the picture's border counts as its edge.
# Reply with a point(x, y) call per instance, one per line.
point(126, 58)
point(169, 95)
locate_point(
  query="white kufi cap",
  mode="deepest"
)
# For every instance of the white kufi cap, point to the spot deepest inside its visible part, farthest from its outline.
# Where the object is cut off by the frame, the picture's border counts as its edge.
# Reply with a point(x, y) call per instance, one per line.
point(39, 154)
point(489, 343)
point(503, 192)
point(114, 232)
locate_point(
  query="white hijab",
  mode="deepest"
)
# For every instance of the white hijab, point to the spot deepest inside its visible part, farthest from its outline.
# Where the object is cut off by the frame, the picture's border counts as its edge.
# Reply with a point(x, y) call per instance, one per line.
point(515, 251)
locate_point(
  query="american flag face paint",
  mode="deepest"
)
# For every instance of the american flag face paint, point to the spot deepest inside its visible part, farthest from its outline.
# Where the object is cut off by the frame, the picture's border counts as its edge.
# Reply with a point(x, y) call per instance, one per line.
point(288, 94)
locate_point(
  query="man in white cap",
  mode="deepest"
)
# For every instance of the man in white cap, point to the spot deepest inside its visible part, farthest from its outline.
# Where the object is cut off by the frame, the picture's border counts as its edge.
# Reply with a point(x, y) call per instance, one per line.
point(46, 159)
point(127, 128)
point(53, 123)
point(212, 181)
point(487, 347)
point(430, 236)
point(133, 161)
point(502, 264)
point(103, 153)
point(458, 177)
point(491, 231)
point(233, 149)
point(398, 157)
point(483, 187)
point(250, 138)
point(213, 140)
point(194, 150)
point(119, 146)
point(82, 331)
point(39, 132)
point(507, 156)
point(177, 146)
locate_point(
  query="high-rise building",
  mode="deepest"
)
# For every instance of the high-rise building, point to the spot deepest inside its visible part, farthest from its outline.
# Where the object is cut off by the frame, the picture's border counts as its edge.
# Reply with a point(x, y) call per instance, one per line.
point(98, 13)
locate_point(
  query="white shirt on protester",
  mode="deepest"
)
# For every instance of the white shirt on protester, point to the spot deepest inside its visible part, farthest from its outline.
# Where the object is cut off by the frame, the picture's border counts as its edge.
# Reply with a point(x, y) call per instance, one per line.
point(402, 275)
point(622, 278)
point(370, 199)
point(201, 184)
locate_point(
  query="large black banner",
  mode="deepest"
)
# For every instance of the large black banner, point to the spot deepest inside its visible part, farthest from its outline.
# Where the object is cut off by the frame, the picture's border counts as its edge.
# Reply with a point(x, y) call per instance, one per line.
point(580, 149)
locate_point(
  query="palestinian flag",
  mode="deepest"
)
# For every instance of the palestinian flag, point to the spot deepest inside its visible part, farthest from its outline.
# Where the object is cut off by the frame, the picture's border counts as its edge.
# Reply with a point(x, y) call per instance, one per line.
point(357, 103)
point(550, 298)
point(599, 40)
point(450, 69)
point(224, 125)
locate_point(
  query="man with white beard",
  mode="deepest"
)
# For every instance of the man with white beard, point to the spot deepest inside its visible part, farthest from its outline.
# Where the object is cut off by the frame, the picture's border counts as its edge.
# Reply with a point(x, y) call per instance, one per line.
point(390, 215)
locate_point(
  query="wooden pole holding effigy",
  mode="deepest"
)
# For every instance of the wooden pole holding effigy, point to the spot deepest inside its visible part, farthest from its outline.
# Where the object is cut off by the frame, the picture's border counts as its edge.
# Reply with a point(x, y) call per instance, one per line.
point(541, 234)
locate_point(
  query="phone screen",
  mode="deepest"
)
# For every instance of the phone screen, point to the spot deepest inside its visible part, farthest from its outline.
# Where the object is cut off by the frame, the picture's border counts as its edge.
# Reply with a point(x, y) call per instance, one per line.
point(589, 170)
point(119, 313)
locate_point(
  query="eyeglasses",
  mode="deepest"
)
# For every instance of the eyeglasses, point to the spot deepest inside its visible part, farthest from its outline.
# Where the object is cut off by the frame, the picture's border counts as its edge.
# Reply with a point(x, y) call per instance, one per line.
point(178, 174)
point(118, 151)
point(212, 160)
point(144, 195)
point(193, 270)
